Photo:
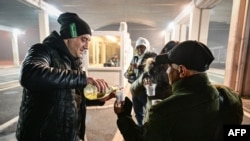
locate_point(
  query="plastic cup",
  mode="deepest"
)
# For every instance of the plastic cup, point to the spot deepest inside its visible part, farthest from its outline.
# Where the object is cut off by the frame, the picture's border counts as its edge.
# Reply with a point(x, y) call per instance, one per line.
point(155, 101)
point(150, 89)
point(119, 96)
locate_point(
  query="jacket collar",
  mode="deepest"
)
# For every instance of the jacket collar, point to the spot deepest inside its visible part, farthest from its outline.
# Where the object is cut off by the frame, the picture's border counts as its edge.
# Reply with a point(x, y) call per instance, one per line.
point(193, 82)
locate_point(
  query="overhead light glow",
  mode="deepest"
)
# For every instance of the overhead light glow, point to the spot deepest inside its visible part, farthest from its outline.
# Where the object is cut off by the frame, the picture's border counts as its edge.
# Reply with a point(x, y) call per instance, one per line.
point(111, 38)
point(170, 26)
point(42, 5)
point(187, 9)
point(52, 10)
point(11, 29)
point(17, 31)
point(163, 32)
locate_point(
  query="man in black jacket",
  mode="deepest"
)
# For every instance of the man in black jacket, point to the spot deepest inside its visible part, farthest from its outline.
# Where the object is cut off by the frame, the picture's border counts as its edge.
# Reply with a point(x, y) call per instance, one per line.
point(53, 106)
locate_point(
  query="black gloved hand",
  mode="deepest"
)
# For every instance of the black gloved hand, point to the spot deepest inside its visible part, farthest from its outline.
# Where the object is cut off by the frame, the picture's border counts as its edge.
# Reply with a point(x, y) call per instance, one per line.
point(127, 108)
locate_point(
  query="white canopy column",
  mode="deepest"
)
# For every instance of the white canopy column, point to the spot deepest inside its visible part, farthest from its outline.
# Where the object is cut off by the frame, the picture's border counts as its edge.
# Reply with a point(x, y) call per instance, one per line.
point(43, 24)
point(176, 32)
point(15, 50)
point(199, 24)
point(183, 32)
point(14, 40)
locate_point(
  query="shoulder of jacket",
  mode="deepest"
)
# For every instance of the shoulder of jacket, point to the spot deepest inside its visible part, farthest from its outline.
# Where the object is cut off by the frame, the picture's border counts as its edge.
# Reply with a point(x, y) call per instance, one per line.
point(37, 45)
point(41, 48)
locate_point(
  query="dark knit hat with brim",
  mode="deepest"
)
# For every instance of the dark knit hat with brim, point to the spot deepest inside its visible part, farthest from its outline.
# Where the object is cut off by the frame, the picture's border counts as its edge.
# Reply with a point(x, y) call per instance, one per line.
point(192, 54)
point(72, 25)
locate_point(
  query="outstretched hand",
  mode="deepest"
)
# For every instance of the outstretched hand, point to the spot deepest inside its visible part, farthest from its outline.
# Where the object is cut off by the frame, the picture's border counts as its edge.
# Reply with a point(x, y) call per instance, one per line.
point(147, 81)
point(123, 108)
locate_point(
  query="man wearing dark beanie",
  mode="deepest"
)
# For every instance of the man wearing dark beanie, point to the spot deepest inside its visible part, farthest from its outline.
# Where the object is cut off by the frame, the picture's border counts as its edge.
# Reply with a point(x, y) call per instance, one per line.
point(53, 106)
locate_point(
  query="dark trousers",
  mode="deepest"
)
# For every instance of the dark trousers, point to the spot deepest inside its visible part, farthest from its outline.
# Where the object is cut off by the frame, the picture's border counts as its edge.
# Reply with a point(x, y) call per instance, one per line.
point(139, 106)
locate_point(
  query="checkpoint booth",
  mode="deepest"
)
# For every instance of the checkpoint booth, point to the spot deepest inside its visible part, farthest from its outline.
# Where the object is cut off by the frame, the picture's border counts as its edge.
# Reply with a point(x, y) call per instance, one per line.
point(109, 55)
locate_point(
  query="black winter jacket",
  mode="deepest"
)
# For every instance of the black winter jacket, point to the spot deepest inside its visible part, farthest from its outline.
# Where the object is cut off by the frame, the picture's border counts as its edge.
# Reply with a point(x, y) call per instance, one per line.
point(53, 107)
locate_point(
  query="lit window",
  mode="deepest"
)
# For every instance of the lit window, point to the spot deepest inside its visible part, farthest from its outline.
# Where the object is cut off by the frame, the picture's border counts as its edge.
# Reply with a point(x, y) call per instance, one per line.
point(104, 51)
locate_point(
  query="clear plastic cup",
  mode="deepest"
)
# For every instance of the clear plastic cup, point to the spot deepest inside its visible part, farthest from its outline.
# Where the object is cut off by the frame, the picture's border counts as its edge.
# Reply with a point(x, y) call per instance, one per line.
point(119, 96)
point(150, 89)
point(155, 101)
